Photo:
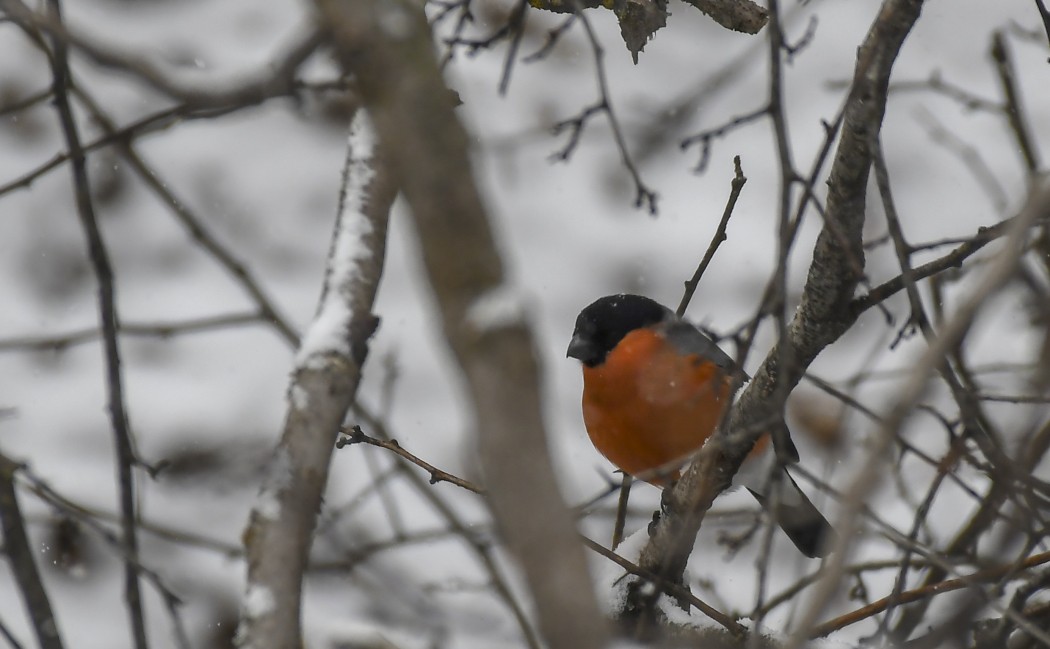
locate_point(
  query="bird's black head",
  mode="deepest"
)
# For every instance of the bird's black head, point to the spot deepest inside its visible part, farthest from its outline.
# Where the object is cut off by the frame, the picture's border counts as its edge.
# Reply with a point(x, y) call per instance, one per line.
point(605, 322)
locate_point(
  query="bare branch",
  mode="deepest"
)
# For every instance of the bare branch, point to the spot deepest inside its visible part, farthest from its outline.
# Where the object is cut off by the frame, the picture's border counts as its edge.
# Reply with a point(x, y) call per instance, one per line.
point(62, 341)
point(1044, 14)
point(672, 589)
point(704, 138)
point(1038, 208)
point(483, 549)
point(643, 195)
point(107, 308)
point(924, 592)
point(736, 186)
point(276, 79)
point(23, 562)
point(1014, 110)
point(357, 436)
point(90, 519)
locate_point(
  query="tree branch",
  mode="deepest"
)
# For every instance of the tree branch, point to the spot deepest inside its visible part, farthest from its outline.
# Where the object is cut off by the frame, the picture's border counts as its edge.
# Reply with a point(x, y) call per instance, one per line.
point(274, 80)
point(23, 564)
point(386, 45)
point(107, 308)
point(327, 372)
point(822, 316)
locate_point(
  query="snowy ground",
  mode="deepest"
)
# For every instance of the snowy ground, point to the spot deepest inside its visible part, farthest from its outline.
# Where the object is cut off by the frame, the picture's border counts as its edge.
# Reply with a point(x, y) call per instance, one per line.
point(265, 180)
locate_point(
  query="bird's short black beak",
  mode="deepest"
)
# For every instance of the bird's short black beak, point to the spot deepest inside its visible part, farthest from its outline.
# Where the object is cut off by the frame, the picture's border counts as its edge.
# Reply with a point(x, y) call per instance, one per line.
point(582, 349)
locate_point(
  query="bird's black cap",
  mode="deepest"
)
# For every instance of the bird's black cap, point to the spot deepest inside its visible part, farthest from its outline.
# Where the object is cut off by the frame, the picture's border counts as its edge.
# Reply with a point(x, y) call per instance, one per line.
point(604, 323)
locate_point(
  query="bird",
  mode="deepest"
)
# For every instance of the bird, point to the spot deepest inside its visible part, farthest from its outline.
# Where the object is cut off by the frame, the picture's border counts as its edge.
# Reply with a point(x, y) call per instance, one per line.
point(655, 388)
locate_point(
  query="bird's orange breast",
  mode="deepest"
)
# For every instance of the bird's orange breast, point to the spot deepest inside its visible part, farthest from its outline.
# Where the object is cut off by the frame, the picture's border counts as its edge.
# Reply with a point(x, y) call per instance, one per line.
point(648, 407)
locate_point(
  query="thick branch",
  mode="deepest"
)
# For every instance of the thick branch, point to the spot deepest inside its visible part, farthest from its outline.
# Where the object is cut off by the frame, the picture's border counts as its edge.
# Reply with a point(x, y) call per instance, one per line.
point(327, 373)
point(823, 314)
point(386, 45)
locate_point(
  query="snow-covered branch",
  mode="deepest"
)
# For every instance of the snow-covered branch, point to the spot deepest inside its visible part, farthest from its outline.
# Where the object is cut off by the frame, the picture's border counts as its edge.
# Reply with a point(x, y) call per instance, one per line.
point(324, 382)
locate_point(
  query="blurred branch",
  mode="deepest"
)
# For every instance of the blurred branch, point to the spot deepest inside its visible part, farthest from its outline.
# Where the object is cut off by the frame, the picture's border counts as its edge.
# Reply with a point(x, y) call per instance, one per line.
point(1044, 14)
point(60, 342)
point(482, 548)
point(513, 29)
point(643, 195)
point(22, 560)
point(195, 227)
point(107, 308)
point(19, 105)
point(914, 387)
point(327, 372)
point(155, 122)
point(980, 521)
point(482, 316)
point(969, 155)
point(553, 38)
point(1022, 133)
point(976, 425)
point(90, 519)
point(8, 636)
point(918, 317)
point(276, 79)
point(936, 84)
point(927, 591)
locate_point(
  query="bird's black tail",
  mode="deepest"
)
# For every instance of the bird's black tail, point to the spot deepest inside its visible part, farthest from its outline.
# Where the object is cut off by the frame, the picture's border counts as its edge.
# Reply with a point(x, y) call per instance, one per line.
point(797, 516)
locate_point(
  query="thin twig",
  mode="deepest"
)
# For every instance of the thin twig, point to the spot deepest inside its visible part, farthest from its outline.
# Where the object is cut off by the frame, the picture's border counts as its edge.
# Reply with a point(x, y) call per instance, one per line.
point(621, 509)
point(553, 38)
point(355, 435)
point(968, 154)
point(12, 641)
point(1044, 13)
point(791, 592)
point(643, 196)
point(705, 137)
point(107, 306)
point(517, 26)
point(19, 105)
point(482, 549)
point(936, 84)
point(1014, 113)
point(675, 590)
point(22, 559)
point(987, 574)
point(63, 341)
point(887, 289)
point(89, 518)
point(273, 79)
point(736, 186)
point(159, 121)
point(196, 228)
